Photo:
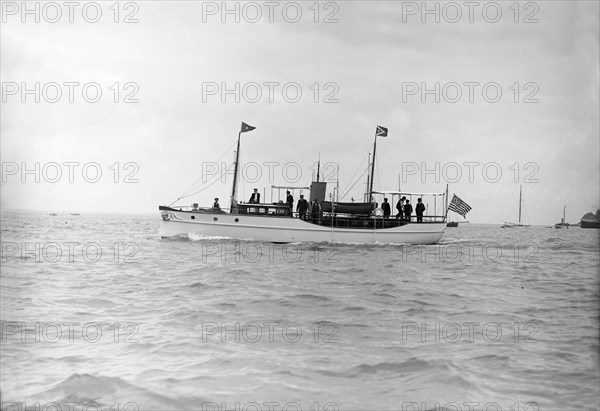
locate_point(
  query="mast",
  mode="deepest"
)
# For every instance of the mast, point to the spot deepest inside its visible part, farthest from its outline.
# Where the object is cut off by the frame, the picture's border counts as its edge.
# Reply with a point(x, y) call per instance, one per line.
point(318, 167)
point(372, 171)
point(564, 214)
point(368, 177)
point(233, 206)
point(520, 196)
point(446, 206)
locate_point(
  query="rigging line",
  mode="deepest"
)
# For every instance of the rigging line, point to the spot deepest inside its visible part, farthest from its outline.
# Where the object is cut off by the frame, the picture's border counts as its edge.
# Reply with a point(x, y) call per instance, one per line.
point(378, 176)
point(240, 186)
point(356, 171)
point(210, 181)
point(215, 178)
point(357, 180)
point(187, 194)
point(201, 190)
point(192, 187)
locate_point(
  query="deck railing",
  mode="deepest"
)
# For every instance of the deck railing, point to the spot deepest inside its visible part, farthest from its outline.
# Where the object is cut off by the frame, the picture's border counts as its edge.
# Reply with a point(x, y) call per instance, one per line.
point(280, 210)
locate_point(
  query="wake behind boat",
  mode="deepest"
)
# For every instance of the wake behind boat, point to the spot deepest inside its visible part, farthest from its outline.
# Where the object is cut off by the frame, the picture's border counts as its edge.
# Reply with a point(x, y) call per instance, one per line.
point(324, 221)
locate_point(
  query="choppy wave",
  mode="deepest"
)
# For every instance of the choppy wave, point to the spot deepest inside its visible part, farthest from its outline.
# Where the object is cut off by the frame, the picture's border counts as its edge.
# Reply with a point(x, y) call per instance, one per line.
point(358, 326)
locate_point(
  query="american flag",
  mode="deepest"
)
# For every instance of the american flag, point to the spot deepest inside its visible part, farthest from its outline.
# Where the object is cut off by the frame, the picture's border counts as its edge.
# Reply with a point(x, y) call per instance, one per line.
point(459, 206)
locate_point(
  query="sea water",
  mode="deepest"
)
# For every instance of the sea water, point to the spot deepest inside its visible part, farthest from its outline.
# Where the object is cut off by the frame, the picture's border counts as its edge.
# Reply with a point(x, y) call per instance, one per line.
point(100, 312)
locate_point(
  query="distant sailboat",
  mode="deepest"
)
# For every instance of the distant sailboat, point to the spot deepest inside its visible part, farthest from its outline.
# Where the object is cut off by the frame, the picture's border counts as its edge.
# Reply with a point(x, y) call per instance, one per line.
point(562, 223)
point(514, 225)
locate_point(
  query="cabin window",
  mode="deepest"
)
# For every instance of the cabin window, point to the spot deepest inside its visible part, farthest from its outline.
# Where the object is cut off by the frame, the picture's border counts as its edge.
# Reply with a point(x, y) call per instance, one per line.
point(236, 220)
point(193, 217)
point(215, 219)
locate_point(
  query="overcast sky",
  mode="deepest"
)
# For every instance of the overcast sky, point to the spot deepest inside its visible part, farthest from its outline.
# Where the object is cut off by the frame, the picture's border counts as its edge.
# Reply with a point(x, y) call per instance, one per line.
point(357, 65)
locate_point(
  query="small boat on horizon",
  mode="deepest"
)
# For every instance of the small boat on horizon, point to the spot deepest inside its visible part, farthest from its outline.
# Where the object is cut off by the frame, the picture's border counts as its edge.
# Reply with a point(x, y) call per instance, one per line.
point(562, 223)
point(508, 224)
point(455, 223)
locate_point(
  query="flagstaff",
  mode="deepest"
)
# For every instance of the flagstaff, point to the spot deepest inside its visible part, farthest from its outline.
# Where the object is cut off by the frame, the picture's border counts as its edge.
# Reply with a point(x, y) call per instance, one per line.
point(233, 207)
point(380, 131)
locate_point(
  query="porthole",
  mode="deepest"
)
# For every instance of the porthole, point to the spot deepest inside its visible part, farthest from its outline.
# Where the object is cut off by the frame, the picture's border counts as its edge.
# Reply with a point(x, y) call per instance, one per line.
point(193, 217)
point(215, 219)
point(236, 220)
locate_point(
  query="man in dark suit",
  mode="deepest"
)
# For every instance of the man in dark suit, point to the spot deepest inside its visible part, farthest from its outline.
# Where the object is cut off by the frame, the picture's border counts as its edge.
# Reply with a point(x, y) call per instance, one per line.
point(386, 208)
point(314, 211)
point(407, 210)
point(255, 198)
point(302, 207)
point(420, 210)
point(290, 201)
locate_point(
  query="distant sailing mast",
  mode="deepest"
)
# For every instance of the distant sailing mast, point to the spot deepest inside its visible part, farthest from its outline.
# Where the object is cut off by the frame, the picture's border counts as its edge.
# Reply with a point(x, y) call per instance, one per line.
point(511, 225)
point(563, 223)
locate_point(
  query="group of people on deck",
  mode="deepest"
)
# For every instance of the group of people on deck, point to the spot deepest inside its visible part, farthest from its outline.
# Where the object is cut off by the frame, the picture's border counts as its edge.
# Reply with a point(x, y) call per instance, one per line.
point(301, 207)
point(404, 208)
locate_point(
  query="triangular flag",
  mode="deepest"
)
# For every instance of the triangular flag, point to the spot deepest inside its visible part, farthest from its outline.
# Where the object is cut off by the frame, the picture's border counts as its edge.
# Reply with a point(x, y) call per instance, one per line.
point(246, 127)
point(381, 131)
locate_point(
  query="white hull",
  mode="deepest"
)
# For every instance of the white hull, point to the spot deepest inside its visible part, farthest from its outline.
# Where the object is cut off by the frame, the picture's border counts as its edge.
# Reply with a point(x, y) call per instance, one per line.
point(290, 230)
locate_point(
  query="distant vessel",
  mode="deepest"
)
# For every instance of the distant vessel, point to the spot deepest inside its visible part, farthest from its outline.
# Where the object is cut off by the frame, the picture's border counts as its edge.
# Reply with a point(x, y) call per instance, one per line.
point(562, 223)
point(53, 214)
point(74, 213)
point(455, 223)
point(515, 225)
point(590, 220)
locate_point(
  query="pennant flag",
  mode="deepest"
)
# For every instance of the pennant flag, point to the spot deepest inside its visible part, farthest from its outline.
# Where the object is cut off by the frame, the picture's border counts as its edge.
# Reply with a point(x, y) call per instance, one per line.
point(381, 131)
point(246, 127)
point(459, 206)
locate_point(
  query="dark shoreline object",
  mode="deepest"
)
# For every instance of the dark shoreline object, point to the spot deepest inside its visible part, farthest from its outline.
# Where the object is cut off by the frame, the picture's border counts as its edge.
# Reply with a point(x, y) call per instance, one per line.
point(590, 220)
point(452, 224)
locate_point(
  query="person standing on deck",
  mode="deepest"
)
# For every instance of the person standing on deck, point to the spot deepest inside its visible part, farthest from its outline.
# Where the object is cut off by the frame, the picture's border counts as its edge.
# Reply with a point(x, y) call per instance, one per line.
point(302, 207)
point(407, 210)
point(420, 210)
point(400, 207)
point(290, 201)
point(314, 210)
point(386, 208)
